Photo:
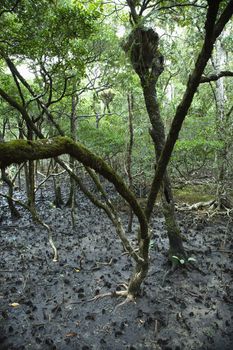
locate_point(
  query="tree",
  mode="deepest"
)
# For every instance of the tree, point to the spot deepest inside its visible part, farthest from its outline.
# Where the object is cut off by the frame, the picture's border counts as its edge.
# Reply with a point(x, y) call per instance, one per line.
point(218, 13)
point(147, 61)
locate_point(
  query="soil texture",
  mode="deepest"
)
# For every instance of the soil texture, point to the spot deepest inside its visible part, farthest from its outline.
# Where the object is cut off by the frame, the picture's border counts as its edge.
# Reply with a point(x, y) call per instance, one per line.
point(48, 305)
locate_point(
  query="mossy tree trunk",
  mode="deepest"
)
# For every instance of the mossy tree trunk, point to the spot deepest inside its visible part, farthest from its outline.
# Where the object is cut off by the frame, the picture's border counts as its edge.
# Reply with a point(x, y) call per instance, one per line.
point(147, 62)
point(157, 132)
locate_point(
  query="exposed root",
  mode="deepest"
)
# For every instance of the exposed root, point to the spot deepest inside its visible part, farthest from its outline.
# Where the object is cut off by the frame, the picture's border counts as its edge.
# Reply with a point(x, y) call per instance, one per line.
point(224, 211)
point(50, 237)
point(55, 254)
point(100, 296)
point(120, 293)
point(99, 264)
point(124, 285)
point(129, 298)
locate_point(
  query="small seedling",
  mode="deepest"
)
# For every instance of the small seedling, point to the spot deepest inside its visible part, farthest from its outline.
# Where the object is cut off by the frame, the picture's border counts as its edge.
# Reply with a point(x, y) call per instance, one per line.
point(152, 244)
point(182, 261)
point(191, 259)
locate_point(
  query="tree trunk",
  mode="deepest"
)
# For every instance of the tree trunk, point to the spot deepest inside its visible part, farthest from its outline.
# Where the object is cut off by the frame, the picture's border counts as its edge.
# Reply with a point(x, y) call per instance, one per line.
point(71, 202)
point(58, 201)
point(71, 199)
point(129, 153)
point(140, 41)
point(14, 212)
point(141, 268)
point(30, 179)
point(31, 184)
point(219, 61)
point(158, 135)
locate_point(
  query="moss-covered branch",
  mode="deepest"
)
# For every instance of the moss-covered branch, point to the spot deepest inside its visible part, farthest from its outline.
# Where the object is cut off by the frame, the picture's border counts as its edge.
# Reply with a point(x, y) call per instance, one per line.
point(19, 151)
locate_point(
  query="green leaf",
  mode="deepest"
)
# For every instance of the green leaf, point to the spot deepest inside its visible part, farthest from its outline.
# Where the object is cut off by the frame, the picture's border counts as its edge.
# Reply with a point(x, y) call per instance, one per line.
point(191, 259)
point(175, 257)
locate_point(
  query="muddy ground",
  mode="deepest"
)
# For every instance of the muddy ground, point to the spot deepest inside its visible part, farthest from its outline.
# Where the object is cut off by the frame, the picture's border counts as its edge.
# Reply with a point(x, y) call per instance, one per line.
point(191, 310)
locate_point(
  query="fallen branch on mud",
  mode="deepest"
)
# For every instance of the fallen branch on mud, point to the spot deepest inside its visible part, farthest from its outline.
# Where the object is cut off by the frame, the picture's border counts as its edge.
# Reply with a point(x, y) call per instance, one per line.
point(209, 206)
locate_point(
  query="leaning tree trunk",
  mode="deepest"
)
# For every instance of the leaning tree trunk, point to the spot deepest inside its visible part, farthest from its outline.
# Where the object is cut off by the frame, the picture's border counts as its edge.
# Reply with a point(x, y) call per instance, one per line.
point(147, 62)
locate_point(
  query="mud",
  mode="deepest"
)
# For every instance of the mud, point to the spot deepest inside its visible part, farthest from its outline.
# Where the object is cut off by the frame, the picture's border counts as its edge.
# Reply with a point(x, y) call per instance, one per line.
point(191, 309)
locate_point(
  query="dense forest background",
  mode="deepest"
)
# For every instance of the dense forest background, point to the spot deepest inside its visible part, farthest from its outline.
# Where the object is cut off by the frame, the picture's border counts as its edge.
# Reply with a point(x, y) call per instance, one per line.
point(77, 77)
point(127, 105)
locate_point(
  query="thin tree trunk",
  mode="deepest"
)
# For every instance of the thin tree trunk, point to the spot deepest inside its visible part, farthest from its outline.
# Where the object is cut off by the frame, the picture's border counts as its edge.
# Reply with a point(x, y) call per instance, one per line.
point(58, 201)
point(71, 202)
point(30, 177)
point(219, 61)
point(31, 184)
point(129, 153)
point(14, 212)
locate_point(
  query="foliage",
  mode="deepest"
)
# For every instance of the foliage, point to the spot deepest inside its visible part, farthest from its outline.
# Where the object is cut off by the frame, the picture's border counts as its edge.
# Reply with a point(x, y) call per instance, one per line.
point(108, 140)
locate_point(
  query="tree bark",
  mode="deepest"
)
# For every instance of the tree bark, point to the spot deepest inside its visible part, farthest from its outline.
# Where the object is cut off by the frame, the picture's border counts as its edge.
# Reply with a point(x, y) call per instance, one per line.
point(219, 60)
point(157, 132)
point(58, 201)
point(147, 62)
point(14, 212)
point(71, 202)
point(129, 152)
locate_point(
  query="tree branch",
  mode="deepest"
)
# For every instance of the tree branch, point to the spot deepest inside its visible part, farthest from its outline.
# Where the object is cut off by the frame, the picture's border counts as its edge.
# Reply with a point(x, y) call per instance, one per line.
point(223, 19)
point(183, 107)
point(214, 77)
point(22, 110)
point(19, 151)
point(10, 10)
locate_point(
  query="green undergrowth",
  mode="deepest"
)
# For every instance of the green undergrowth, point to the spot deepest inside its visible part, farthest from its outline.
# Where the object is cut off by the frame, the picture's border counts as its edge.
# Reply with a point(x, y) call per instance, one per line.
point(191, 194)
